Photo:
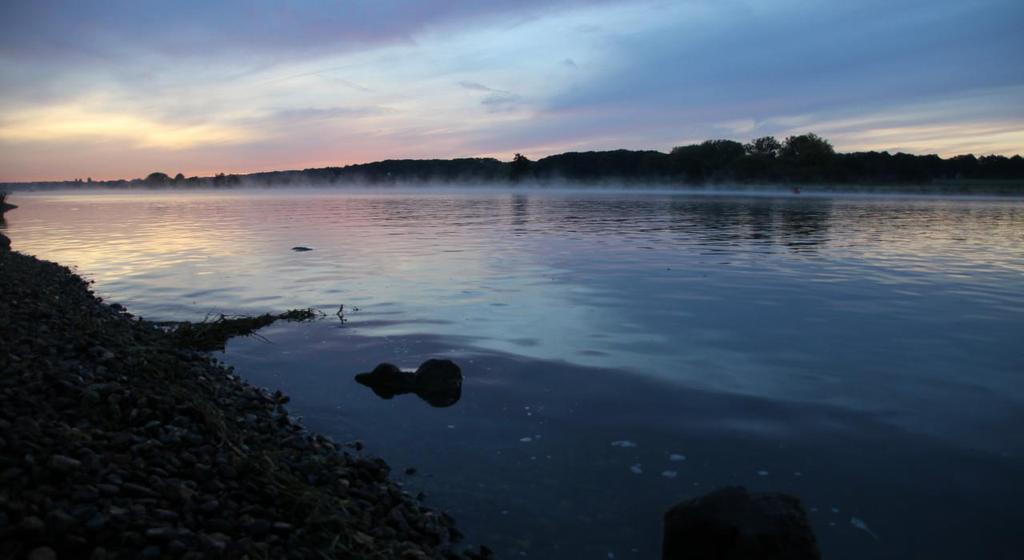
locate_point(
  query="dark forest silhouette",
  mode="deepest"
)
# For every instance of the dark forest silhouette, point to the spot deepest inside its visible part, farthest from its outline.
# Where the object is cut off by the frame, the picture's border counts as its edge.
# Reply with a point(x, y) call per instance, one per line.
point(801, 159)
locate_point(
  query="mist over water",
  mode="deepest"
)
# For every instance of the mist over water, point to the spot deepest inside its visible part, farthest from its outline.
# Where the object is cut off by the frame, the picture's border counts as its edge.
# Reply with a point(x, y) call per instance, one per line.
point(860, 352)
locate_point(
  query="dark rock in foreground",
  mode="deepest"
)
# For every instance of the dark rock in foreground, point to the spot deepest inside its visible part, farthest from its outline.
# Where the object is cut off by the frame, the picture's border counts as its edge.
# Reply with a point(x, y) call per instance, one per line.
point(439, 382)
point(118, 442)
point(734, 524)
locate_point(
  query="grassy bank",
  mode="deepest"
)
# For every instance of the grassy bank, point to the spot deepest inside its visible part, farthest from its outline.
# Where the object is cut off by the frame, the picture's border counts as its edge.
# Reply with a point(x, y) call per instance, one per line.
point(119, 440)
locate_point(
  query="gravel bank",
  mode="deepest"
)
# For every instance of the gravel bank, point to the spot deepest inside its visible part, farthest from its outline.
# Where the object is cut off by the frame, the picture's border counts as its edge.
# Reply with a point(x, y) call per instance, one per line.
point(117, 442)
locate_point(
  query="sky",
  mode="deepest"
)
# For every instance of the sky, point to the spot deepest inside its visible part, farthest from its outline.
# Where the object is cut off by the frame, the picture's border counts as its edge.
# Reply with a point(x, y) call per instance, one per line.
point(120, 88)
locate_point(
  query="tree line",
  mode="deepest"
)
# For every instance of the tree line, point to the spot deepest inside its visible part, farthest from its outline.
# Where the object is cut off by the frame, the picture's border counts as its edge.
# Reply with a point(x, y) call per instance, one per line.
point(799, 159)
point(806, 158)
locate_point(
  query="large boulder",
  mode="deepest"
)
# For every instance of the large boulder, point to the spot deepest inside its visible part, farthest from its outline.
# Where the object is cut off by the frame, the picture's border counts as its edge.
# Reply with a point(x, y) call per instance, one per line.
point(734, 524)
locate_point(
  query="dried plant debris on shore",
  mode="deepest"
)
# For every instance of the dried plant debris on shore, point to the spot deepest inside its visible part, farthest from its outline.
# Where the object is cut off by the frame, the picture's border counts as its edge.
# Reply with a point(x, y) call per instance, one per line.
point(212, 334)
point(118, 442)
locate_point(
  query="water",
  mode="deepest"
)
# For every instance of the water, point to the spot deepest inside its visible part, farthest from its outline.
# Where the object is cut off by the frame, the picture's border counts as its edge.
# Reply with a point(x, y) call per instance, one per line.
point(863, 353)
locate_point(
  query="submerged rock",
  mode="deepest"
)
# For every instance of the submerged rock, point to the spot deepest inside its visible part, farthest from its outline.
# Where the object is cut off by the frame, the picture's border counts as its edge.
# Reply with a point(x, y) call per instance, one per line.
point(733, 524)
point(439, 382)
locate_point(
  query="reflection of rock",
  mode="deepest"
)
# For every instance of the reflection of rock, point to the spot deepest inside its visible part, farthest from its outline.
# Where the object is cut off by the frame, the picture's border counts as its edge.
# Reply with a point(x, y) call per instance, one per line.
point(439, 382)
point(732, 523)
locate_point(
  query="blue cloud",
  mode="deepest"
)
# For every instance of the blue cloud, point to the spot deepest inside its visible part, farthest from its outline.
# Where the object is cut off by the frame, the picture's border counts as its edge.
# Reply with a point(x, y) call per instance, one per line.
point(807, 57)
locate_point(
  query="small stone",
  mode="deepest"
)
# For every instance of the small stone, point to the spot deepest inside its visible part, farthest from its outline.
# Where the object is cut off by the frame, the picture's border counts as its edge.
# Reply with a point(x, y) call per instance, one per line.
point(215, 541)
point(138, 490)
point(84, 512)
point(64, 463)
point(97, 522)
point(60, 521)
point(43, 553)
point(32, 524)
point(282, 527)
point(101, 354)
point(165, 515)
point(259, 526)
point(219, 525)
point(85, 494)
point(161, 533)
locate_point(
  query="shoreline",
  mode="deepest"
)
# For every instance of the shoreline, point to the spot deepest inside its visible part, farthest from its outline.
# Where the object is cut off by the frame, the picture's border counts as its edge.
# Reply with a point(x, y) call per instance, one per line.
point(119, 442)
point(1010, 189)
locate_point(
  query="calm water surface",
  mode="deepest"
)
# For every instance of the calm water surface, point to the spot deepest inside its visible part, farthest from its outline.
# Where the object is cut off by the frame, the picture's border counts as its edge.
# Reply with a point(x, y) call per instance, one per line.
point(863, 353)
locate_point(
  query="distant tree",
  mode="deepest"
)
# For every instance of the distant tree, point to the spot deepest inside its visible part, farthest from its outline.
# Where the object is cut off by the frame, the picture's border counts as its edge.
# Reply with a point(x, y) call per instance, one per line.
point(965, 166)
point(766, 146)
point(156, 178)
point(88, 180)
point(520, 167)
point(808, 150)
point(179, 178)
point(720, 153)
point(687, 162)
point(222, 180)
point(711, 159)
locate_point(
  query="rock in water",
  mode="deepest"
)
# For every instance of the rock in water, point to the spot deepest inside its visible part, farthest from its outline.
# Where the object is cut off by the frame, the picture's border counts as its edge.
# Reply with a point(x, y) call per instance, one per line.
point(387, 380)
point(439, 382)
point(301, 249)
point(733, 524)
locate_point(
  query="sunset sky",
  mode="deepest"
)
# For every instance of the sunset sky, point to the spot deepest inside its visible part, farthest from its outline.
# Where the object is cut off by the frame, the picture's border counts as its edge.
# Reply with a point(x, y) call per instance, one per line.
point(117, 89)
